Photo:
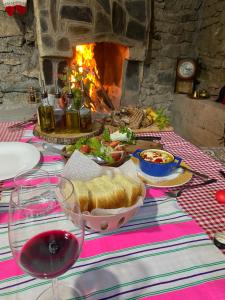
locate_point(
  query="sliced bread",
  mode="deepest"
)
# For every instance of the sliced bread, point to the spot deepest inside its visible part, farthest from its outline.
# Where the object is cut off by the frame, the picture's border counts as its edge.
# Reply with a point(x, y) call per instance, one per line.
point(82, 195)
point(130, 186)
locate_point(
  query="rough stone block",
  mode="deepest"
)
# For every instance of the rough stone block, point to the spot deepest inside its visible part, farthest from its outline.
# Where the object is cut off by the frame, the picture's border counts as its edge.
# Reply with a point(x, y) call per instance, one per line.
point(44, 25)
point(132, 75)
point(78, 30)
point(48, 71)
point(136, 31)
point(9, 26)
point(105, 4)
point(118, 19)
point(76, 13)
point(48, 41)
point(102, 23)
point(136, 9)
point(63, 44)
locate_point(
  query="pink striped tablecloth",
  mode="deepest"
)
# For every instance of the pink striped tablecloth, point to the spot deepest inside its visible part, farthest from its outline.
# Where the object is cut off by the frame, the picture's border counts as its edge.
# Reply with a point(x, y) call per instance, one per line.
point(161, 253)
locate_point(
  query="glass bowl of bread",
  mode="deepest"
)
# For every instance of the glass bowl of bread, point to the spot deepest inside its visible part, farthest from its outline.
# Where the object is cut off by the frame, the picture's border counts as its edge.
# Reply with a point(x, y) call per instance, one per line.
point(108, 197)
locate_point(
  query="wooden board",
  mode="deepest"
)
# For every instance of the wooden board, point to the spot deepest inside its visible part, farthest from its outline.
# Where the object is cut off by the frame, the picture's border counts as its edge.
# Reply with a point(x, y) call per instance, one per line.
point(152, 128)
point(67, 138)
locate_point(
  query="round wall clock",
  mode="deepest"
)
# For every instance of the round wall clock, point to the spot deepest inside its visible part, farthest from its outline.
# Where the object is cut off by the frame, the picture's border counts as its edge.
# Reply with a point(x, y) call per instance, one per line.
point(186, 70)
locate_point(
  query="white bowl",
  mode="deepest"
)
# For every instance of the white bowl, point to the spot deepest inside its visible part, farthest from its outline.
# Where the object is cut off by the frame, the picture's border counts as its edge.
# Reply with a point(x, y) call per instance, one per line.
point(108, 223)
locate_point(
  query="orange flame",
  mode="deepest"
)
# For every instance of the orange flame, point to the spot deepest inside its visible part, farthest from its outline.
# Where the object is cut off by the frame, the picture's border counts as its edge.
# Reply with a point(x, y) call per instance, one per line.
point(84, 58)
point(111, 74)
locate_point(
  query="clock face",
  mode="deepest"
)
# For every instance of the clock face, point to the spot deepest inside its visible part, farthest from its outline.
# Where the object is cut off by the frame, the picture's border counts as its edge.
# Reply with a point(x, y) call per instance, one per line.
point(186, 69)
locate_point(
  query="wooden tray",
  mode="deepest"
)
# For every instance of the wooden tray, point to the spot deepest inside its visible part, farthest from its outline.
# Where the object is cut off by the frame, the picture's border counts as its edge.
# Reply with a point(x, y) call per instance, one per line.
point(151, 128)
point(67, 138)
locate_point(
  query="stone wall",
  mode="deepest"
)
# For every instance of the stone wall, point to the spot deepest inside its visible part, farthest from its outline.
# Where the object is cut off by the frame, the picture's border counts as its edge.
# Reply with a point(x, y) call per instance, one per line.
point(202, 122)
point(18, 62)
point(210, 46)
point(174, 29)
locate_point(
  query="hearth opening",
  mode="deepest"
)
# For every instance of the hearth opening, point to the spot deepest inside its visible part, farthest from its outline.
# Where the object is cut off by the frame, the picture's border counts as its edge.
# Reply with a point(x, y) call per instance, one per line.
point(105, 63)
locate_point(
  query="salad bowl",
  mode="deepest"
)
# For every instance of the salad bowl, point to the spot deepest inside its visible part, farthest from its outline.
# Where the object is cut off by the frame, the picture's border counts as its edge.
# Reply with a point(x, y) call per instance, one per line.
point(110, 154)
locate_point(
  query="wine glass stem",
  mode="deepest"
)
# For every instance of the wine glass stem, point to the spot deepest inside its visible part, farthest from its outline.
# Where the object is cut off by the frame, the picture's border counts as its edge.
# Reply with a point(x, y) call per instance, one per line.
point(55, 290)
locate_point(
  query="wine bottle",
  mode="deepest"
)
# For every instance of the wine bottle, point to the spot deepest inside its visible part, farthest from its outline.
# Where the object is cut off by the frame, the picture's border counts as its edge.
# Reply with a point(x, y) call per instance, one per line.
point(45, 112)
point(85, 113)
point(72, 114)
point(59, 111)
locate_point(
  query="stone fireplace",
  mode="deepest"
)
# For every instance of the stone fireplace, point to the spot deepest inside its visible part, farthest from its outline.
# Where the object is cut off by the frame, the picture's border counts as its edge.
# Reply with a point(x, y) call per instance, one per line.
point(155, 33)
point(119, 31)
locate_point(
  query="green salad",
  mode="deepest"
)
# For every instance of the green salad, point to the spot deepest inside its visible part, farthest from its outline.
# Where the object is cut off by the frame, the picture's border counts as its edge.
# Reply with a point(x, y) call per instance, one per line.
point(92, 146)
point(107, 147)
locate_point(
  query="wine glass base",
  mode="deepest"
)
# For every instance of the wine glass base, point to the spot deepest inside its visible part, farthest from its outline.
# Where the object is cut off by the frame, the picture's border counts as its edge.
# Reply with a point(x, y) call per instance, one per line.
point(62, 292)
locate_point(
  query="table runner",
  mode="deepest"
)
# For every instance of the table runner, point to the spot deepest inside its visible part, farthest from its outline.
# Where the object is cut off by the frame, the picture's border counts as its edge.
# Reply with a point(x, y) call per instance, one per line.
point(160, 254)
point(7, 135)
point(199, 203)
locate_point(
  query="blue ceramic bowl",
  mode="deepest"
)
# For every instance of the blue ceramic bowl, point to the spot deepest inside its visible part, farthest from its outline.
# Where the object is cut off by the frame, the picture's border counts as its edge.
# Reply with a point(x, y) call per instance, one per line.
point(157, 169)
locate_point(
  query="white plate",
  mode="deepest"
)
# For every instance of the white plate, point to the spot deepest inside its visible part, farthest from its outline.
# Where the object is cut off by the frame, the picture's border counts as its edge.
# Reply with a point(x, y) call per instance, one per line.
point(16, 157)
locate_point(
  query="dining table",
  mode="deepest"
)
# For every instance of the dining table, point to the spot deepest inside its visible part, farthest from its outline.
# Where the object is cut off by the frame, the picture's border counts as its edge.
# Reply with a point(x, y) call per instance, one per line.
point(166, 251)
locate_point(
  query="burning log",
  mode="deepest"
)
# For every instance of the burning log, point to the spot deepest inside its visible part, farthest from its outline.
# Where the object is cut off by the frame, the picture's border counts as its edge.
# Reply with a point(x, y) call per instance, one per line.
point(102, 94)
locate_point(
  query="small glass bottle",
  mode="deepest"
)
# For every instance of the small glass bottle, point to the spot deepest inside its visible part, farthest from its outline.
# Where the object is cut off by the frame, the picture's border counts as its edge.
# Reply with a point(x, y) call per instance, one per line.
point(85, 114)
point(59, 111)
point(45, 113)
point(72, 115)
point(85, 119)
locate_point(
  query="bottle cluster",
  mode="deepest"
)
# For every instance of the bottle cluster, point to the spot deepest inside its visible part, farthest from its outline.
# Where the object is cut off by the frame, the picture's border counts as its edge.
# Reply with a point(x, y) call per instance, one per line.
point(61, 114)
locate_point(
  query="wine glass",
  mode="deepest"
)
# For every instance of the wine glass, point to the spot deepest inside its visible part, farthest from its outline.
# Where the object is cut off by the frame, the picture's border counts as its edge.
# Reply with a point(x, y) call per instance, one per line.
point(46, 229)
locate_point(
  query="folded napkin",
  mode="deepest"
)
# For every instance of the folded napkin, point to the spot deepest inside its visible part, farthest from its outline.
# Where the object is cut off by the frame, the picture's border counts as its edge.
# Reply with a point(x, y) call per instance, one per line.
point(20, 6)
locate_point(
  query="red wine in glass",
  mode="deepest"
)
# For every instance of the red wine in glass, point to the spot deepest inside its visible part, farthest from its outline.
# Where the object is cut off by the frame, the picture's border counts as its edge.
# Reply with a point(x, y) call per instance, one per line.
point(47, 246)
point(49, 254)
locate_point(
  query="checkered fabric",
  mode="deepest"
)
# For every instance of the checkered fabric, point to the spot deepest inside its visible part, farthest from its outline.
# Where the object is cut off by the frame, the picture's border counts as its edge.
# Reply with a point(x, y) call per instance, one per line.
point(199, 203)
point(8, 135)
point(161, 253)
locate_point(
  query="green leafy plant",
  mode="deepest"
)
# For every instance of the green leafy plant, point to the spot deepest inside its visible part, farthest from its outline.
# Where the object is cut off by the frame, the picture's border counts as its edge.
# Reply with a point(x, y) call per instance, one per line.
point(106, 134)
point(161, 119)
point(75, 81)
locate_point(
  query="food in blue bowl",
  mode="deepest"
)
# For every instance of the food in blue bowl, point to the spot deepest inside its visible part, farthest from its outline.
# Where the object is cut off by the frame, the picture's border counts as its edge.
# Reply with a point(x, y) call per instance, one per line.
point(155, 162)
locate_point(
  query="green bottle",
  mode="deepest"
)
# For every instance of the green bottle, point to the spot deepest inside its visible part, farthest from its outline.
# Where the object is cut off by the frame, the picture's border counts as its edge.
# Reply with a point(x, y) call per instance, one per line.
point(72, 115)
point(45, 114)
point(59, 112)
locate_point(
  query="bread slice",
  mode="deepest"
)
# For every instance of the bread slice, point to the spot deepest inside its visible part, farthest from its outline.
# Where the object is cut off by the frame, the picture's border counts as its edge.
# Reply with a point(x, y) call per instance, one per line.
point(100, 195)
point(107, 192)
point(95, 196)
point(82, 194)
point(130, 186)
point(118, 199)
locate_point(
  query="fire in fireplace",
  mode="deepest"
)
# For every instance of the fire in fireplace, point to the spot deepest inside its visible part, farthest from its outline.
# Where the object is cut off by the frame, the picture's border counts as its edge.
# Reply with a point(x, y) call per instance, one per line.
point(117, 32)
point(105, 63)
